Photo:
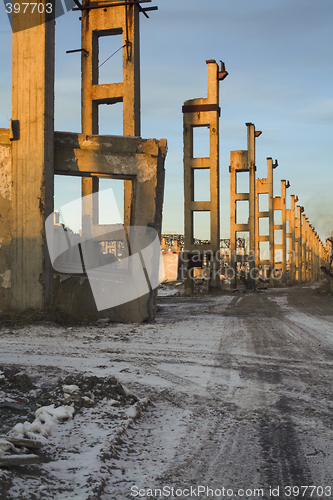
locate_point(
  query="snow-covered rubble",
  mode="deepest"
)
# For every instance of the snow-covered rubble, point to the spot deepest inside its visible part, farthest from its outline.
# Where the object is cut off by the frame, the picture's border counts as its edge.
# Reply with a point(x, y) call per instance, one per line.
point(46, 418)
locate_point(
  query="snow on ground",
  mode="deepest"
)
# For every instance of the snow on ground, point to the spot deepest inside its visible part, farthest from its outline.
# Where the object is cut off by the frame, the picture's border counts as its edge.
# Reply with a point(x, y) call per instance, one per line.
point(235, 390)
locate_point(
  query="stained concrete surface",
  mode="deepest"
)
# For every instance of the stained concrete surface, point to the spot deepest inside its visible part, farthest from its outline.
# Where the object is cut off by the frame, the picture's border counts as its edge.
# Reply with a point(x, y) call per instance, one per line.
point(240, 388)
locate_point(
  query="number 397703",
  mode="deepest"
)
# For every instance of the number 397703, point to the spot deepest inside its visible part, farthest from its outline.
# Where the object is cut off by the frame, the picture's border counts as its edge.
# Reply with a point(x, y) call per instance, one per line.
point(28, 8)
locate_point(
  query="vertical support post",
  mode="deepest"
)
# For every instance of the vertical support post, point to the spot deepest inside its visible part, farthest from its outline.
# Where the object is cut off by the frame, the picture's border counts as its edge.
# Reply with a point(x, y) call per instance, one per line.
point(318, 257)
point(310, 236)
point(251, 148)
point(32, 153)
point(265, 186)
point(308, 251)
point(298, 244)
point(96, 23)
point(244, 161)
point(280, 204)
point(284, 242)
point(291, 235)
point(203, 112)
point(315, 255)
point(304, 249)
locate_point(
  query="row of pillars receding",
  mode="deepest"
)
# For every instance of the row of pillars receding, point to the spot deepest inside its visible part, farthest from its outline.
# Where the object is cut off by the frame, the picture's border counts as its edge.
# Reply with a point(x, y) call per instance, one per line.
point(281, 244)
point(274, 249)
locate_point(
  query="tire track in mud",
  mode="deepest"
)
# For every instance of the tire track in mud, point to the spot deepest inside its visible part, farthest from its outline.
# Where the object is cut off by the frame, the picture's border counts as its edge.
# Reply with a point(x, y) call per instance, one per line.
point(212, 450)
point(284, 460)
point(230, 445)
point(233, 446)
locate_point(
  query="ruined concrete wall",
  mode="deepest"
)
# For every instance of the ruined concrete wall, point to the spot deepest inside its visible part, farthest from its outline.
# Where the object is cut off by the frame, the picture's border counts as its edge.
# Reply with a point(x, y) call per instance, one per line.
point(142, 160)
point(5, 219)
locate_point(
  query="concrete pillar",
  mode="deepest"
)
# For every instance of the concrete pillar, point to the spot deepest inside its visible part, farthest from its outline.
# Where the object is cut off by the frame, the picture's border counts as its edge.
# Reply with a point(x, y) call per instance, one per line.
point(243, 161)
point(96, 23)
point(298, 244)
point(311, 253)
point(265, 186)
point(317, 256)
point(251, 148)
point(280, 204)
point(305, 269)
point(32, 155)
point(291, 235)
point(308, 246)
point(203, 112)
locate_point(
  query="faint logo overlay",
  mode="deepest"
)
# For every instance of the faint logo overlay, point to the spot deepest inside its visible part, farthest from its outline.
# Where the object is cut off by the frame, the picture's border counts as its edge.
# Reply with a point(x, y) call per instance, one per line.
point(24, 14)
point(121, 263)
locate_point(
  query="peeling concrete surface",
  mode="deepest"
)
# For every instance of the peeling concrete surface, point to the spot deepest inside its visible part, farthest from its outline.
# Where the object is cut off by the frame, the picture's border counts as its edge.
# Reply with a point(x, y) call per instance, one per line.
point(6, 277)
point(5, 172)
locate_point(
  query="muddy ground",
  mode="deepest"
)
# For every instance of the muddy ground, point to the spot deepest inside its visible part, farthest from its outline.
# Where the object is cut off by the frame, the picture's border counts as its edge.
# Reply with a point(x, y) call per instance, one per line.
point(240, 398)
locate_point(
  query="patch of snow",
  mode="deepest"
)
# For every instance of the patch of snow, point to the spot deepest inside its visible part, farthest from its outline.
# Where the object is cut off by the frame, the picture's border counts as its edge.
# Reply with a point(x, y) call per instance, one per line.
point(70, 389)
point(46, 418)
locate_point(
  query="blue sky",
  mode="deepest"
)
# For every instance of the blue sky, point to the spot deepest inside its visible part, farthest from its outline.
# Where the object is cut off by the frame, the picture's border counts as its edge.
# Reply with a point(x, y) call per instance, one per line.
point(279, 56)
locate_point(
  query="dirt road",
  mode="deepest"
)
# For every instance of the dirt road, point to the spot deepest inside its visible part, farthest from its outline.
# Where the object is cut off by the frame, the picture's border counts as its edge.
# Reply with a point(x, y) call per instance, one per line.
point(241, 400)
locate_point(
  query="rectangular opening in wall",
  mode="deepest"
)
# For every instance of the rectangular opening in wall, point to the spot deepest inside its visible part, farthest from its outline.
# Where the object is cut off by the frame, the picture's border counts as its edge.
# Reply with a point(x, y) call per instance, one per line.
point(263, 226)
point(278, 236)
point(242, 182)
point(242, 242)
point(242, 212)
point(67, 202)
point(201, 226)
point(287, 226)
point(277, 217)
point(264, 253)
point(278, 256)
point(111, 201)
point(111, 211)
point(264, 272)
point(290, 253)
point(201, 142)
point(263, 202)
point(110, 58)
point(111, 119)
point(201, 184)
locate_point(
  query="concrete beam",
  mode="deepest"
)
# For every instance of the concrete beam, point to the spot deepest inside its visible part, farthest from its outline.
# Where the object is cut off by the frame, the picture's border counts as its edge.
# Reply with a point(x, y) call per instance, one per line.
point(141, 162)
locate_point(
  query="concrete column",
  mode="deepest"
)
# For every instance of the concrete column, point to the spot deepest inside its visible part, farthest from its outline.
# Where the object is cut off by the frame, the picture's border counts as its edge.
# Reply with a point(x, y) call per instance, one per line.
point(32, 155)
point(311, 254)
point(265, 186)
point(244, 161)
point(298, 245)
point(305, 240)
point(280, 204)
point(251, 136)
point(203, 112)
point(308, 246)
point(291, 235)
point(96, 23)
point(317, 256)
